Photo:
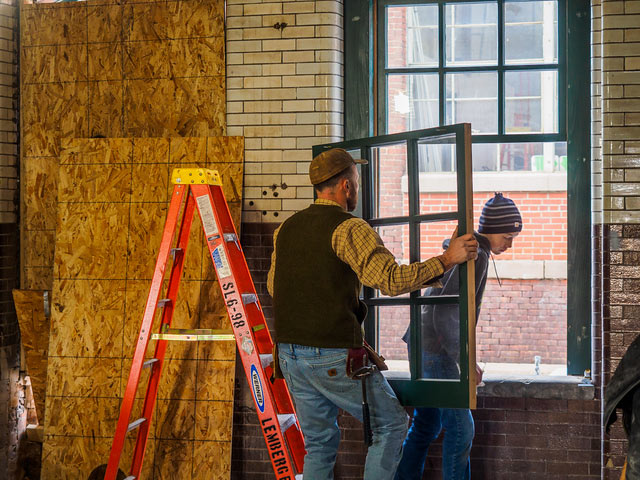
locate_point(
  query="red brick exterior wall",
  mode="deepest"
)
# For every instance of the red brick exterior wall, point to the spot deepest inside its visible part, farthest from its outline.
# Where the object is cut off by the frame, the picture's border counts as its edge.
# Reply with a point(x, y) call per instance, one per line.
point(521, 318)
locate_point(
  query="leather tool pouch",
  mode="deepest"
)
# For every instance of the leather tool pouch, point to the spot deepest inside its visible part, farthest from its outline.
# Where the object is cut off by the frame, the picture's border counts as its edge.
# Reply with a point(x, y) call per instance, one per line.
point(277, 373)
point(357, 362)
point(375, 357)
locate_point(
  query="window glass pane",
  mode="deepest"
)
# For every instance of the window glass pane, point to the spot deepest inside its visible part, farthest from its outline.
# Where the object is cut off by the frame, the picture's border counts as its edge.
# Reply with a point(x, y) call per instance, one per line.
point(438, 184)
point(529, 157)
point(393, 325)
point(472, 97)
point(357, 154)
point(472, 33)
point(440, 323)
point(531, 101)
point(433, 235)
point(412, 36)
point(390, 185)
point(531, 32)
point(396, 239)
point(412, 102)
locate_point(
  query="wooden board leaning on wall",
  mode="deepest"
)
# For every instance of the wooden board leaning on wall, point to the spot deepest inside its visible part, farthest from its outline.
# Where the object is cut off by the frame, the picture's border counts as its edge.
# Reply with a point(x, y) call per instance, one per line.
point(112, 202)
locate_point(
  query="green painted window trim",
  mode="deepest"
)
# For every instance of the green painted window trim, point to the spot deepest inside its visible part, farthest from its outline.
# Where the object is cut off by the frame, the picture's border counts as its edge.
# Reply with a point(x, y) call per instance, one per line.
point(414, 391)
point(574, 22)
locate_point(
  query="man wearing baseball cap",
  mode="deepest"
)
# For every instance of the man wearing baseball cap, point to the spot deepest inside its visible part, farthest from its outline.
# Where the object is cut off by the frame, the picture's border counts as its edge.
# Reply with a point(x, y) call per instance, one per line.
point(322, 256)
point(500, 223)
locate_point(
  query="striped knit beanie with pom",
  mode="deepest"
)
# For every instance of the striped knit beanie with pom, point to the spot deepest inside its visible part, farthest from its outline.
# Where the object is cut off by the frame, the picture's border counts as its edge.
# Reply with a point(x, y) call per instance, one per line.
point(500, 215)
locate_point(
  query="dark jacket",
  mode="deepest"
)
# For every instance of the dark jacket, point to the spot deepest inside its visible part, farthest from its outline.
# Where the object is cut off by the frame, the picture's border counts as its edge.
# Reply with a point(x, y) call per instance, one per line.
point(316, 295)
point(441, 323)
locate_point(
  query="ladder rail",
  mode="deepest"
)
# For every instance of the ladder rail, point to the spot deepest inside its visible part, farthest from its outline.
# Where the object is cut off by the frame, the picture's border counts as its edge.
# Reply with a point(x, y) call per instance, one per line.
point(143, 336)
point(161, 345)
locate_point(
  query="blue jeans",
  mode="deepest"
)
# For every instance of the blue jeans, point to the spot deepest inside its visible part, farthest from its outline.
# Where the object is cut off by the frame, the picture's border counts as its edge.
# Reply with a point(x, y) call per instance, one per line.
point(318, 383)
point(426, 427)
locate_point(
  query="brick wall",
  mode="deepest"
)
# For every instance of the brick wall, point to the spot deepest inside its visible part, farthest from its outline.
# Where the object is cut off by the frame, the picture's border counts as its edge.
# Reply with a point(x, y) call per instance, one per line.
point(10, 412)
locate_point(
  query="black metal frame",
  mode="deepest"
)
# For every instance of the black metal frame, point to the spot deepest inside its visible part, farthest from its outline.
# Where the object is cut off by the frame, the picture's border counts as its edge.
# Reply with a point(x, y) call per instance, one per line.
point(501, 137)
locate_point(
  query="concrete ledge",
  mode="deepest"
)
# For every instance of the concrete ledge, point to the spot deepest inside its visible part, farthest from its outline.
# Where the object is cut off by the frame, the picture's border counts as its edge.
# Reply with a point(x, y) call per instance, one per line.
point(529, 269)
point(525, 386)
point(538, 386)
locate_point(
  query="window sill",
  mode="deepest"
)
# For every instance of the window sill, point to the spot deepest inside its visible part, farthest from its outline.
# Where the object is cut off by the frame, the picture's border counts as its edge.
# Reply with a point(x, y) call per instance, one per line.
point(536, 386)
point(525, 386)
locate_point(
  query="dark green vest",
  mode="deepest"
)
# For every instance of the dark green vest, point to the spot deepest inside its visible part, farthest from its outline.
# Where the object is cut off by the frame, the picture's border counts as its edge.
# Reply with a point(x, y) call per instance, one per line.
point(316, 295)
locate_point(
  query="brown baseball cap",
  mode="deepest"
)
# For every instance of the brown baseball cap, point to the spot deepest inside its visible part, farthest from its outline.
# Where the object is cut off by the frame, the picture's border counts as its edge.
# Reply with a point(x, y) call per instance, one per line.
point(331, 163)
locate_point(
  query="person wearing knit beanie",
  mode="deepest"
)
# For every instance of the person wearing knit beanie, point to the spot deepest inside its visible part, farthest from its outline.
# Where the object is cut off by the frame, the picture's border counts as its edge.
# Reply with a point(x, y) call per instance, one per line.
point(500, 223)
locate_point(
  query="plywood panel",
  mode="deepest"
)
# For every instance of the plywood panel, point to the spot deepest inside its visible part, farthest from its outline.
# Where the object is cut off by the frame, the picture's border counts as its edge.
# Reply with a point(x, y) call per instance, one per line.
point(34, 334)
point(54, 63)
point(51, 111)
point(113, 196)
point(91, 240)
point(106, 118)
point(105, 63)
point(72, 458)
point(40, 184)
point(194, 109)
point(212, 459)
point(48, 25)
point(85, 72)
point(89, 318)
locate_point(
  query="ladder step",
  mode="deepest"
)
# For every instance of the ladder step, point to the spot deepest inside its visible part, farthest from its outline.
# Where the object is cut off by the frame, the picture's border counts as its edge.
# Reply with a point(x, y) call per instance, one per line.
point(250, 298)
point(231, 237)
point(149, 363)
point(286, 420)
point(193, 335)
point(163, 302)
point(266, 359)
point(136, 424)
point(131, 477)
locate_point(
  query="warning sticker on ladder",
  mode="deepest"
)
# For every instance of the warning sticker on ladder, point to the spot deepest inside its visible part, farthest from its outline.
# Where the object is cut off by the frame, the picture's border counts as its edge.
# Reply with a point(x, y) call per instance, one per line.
point(206, 213)
point(220, 260)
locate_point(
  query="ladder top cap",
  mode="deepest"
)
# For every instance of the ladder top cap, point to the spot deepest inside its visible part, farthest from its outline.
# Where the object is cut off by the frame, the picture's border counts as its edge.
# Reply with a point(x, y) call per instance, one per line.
point(196, 176)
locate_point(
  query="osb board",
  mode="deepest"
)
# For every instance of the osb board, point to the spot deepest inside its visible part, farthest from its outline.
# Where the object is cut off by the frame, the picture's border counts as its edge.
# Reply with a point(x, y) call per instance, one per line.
point(34, 333)
point(113, 198)
point(110, 68)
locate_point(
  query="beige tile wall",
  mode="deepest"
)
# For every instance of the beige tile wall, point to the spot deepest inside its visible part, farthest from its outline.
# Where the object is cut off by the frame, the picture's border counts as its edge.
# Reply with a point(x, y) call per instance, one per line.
point(596, 111)
point(620, 110)
point(284, 95)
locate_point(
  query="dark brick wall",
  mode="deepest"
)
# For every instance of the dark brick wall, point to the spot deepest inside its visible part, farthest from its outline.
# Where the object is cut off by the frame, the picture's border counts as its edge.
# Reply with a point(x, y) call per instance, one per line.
point(515, 437)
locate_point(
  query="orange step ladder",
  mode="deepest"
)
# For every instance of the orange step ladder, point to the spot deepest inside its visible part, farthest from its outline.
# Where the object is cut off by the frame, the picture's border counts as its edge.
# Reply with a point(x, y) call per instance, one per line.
point(201, 189)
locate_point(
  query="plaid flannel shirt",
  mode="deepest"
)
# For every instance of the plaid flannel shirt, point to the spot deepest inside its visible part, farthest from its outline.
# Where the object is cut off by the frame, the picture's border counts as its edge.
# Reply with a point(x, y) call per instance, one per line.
point(357, 244)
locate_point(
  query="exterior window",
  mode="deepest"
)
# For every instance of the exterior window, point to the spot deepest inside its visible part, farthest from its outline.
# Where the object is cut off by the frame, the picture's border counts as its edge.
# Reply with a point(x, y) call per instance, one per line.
point(502, 67)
